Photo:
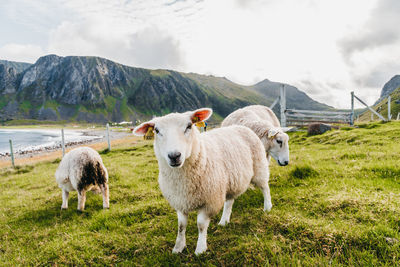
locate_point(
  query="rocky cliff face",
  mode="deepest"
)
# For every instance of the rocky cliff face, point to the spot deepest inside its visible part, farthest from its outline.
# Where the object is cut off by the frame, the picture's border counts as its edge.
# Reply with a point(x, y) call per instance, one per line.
point(98, 90)
point(8, 79)
point(390, 86)
point(17, 66)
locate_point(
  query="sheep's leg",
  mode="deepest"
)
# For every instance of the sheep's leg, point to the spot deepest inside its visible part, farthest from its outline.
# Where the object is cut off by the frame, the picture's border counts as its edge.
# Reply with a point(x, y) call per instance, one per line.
point(180, 243)
point(226, 214)
point(261, 180)
point(203, 220)
point(65, 195)
point(81, 200)
point(106, 198)
point(267, 198)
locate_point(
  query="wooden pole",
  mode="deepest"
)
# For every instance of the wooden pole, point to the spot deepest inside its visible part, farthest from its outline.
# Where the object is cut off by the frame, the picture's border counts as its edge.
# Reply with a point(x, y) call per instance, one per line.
point(108, 137)
point(352, 109)
point(389, 114)
point(12, 154)
point(373, 111)
point(62, 142)
point(274, 103)
point(283, 105)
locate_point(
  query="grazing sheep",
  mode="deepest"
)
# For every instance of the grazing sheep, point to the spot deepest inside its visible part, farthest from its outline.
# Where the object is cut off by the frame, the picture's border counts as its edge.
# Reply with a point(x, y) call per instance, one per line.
point(82, 169)
point(265, 124)
point(205, 171)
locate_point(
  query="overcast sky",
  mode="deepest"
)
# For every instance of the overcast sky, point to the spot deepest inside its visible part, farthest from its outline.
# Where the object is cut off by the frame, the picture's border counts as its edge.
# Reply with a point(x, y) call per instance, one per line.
point(326, 48)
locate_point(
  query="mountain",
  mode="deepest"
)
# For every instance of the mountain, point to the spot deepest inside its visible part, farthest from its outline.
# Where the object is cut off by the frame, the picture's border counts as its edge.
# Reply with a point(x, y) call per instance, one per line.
point(295, 98)
point(17, 66)
point(389, 87)
point(95, 89)
point(392, 88)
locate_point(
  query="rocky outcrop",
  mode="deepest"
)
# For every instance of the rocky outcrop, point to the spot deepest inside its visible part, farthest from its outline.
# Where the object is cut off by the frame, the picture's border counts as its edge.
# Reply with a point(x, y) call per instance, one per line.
point(8, 79)
point(389, 87)
point(17, 66)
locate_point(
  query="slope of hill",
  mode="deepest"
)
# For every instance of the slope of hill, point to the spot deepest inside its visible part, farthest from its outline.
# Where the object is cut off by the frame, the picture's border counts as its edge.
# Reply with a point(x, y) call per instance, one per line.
point(382, 107)
point(98, 90)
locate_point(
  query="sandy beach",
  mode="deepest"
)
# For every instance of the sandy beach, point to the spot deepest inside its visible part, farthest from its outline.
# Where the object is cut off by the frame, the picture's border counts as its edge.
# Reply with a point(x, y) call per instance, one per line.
point(35, 154)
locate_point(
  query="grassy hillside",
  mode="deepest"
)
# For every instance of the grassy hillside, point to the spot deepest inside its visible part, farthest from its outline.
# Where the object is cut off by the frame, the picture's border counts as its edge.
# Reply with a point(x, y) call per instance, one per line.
point(336, 203)
point(382, 107)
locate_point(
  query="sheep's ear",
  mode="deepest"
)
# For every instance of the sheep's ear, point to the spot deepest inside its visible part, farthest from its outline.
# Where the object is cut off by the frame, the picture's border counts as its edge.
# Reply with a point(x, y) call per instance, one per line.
point(201, 114)
point(143, 128)
point(272, 132)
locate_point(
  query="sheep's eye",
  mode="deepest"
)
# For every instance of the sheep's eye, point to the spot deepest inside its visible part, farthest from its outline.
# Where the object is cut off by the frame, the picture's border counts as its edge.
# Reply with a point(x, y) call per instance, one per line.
point(156, 130)
point(188, 127)
point(279, 142)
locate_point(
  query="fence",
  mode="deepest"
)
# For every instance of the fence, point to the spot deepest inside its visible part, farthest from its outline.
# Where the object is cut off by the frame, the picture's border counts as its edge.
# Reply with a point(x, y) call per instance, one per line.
point(389, 99)
point(297, 117)
point(62, 144)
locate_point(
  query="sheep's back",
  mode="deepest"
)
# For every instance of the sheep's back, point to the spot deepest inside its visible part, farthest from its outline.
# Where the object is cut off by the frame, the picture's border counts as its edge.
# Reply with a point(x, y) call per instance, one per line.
point(233, 152)
point(250, 114)
point(79, 166)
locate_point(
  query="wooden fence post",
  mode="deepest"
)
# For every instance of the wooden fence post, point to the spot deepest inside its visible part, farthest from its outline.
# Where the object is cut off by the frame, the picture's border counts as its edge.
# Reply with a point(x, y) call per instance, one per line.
point(371, 109)
point(108, 137)
point(389, 114)
point(12, 154)
point(62, 142)
point(352, 109)
point(283, 105)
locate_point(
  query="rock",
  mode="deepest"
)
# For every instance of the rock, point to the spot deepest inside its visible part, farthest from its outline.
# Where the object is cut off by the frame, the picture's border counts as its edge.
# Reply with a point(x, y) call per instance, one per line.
point(318, 128)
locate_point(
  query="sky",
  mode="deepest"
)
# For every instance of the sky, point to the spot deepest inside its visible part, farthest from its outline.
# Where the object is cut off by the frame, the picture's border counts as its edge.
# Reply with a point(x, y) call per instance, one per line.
point(325, 48)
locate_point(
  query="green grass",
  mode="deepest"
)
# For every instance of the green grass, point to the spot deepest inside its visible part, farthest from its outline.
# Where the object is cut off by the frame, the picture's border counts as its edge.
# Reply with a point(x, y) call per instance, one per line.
point(25, 106)
point(337, 203)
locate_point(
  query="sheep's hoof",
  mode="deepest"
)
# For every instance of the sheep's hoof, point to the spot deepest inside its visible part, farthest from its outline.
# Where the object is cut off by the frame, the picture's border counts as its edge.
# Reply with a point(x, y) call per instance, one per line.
point(106, 208)
point(268, 207)
point(223, 222)
point(176, 250)
point(200, 250)
point(64, 208)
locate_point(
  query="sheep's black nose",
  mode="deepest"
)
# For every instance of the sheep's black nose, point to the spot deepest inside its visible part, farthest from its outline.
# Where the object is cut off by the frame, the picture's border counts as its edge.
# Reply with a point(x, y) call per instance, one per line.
point(174, 156)
point(286, 162)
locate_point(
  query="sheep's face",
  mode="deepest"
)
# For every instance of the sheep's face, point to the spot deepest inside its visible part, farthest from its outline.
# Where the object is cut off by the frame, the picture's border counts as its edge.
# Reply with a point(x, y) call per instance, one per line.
point(174, 135)
point(279, 147)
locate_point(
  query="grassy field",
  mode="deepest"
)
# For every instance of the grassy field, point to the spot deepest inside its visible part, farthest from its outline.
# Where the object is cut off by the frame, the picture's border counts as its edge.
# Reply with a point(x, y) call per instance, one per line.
point(338, 202)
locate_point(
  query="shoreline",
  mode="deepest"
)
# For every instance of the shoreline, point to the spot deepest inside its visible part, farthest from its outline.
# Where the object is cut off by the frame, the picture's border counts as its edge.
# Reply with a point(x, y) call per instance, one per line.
point(97, 136)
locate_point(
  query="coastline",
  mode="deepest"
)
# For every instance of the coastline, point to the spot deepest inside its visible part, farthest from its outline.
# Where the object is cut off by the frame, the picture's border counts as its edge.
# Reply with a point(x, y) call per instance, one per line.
point(90, 137)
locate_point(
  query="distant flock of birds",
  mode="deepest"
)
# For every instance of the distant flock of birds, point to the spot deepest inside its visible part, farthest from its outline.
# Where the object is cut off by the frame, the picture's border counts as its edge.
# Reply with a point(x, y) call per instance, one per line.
point(202, 172)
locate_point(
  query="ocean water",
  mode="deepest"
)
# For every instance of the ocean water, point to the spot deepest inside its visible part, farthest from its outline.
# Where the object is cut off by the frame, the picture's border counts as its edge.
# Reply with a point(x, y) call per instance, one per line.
point(34, 139)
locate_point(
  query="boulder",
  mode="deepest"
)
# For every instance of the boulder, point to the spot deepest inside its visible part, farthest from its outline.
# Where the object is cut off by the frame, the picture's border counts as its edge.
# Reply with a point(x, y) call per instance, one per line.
point(318, 128)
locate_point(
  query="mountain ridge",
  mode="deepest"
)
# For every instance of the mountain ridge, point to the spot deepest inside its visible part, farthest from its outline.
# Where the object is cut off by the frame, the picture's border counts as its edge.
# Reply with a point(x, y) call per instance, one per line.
point(94, 89)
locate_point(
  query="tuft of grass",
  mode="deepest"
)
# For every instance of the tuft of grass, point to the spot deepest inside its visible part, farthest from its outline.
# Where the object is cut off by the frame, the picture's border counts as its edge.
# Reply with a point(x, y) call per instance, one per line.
point(303, 172)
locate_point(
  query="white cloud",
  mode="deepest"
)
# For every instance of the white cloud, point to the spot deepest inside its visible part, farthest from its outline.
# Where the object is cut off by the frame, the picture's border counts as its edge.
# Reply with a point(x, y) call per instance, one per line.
point(148, 48)
point(326, 48)
point(21, 52)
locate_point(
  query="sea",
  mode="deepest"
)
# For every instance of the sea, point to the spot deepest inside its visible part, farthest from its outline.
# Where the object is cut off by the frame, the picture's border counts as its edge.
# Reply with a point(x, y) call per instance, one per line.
point(33, 139)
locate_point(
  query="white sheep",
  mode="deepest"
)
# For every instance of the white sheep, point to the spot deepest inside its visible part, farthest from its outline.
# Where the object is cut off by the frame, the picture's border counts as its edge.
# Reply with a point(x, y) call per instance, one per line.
point(205, 171)
point(265, 124)
point(82, 169)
